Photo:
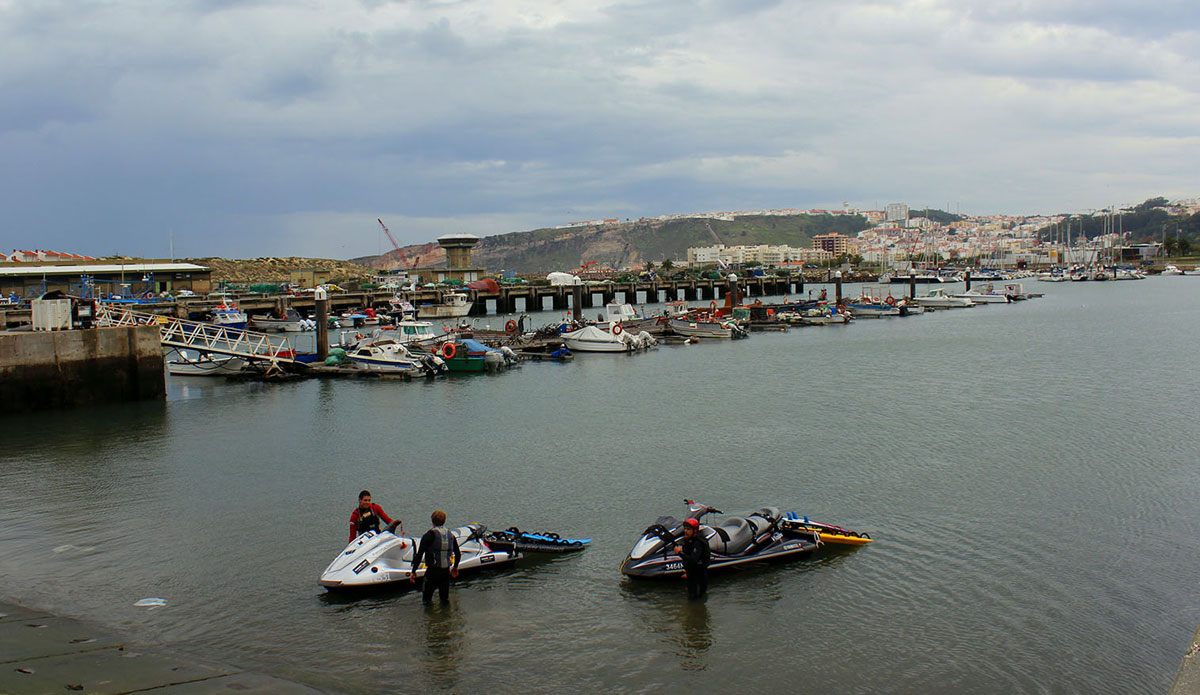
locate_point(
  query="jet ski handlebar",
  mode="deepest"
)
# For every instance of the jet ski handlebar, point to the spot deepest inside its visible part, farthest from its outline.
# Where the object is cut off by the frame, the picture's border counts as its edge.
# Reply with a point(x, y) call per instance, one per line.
point(707, 509)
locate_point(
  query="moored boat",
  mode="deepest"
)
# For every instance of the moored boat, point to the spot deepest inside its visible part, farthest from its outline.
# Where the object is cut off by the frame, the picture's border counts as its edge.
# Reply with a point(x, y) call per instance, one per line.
point(204, 364)
point(228, 315)
point(939, 299)
point(450, 305)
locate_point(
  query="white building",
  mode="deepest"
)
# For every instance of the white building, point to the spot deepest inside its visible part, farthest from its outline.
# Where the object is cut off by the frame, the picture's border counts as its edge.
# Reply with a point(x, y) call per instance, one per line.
point(897, 212)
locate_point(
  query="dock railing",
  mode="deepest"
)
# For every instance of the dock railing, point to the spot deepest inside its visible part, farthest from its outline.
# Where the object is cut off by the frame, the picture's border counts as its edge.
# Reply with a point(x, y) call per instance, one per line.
point(202, 337)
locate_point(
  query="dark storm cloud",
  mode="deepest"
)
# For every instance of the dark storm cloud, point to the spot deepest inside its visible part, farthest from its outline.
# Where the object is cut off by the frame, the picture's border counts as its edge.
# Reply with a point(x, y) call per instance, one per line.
point(274, 127)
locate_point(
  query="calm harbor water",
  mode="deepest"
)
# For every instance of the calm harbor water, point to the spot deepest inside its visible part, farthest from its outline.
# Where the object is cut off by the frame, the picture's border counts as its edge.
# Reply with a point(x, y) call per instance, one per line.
point(1029, 472)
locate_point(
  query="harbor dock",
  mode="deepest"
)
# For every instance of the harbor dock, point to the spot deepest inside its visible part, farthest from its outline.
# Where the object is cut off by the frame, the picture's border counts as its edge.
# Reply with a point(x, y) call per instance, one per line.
point(45, 653)
point(1187, 681)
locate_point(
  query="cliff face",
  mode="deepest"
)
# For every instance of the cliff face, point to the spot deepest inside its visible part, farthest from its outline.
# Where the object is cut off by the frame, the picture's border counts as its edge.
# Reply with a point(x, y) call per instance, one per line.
point(627, 244)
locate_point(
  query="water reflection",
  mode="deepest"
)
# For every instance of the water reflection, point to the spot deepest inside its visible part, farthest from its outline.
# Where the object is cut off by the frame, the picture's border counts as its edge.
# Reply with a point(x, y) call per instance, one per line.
point(695, 636)
point(445, 644)
point(683, 624)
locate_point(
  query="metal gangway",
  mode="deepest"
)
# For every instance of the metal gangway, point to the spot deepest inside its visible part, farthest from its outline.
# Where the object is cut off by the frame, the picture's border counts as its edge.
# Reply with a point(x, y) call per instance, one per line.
point(203, 337)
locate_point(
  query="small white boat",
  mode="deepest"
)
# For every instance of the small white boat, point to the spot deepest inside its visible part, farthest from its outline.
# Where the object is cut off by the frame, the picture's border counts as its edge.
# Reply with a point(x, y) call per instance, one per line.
point(939, 299)
point(292, 322)
point(596, 339)
point(453, 305)
point(704, 329)
point(384, 355)
point(988, 295)
point(1172, 270)
point(204, 364)
point(415, 333)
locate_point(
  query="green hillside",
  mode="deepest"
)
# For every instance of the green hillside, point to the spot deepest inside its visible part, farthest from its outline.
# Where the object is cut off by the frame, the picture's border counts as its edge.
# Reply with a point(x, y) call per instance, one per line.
point(635, 243)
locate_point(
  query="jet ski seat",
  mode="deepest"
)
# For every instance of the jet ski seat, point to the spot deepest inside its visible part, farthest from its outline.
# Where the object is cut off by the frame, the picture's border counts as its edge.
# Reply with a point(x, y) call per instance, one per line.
point(733, 536)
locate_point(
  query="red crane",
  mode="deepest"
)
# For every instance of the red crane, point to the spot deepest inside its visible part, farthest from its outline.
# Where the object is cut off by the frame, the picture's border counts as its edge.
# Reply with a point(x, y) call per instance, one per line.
point(399, 254)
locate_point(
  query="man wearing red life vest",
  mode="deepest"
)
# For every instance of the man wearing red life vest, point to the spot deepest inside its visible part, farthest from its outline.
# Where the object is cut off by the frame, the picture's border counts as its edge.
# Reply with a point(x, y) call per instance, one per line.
point(366, 517)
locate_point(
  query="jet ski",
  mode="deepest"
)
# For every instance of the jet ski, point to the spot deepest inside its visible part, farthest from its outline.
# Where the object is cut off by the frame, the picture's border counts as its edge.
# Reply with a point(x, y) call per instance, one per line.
point(735, 540)
point(378, 559)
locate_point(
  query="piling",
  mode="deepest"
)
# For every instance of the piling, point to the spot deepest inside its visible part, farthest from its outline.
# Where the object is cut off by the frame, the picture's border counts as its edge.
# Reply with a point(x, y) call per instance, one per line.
point(837, 291)
point(967, 278)
point(577, 301)
point(322, 318)
point(912, 286)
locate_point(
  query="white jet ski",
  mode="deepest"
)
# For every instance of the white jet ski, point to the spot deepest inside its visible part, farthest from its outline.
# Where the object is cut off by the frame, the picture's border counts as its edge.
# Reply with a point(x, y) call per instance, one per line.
point(380, 559)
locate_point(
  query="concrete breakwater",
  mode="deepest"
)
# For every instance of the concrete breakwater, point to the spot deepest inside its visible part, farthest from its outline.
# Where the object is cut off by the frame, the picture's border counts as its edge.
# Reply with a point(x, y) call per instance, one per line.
point(69, 368)
point(46, 653)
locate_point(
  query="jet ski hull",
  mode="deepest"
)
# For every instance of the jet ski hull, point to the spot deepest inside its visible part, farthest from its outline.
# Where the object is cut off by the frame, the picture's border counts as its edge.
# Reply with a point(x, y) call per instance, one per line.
point(671, 567)
point(738, 540)
point(377, 560)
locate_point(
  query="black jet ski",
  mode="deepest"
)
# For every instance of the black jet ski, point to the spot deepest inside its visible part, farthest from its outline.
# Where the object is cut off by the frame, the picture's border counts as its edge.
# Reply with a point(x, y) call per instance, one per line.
point(735, 540)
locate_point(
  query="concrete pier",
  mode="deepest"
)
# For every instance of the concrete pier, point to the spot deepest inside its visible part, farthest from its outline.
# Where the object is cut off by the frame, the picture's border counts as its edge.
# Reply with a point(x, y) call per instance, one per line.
point(1187, 681)
point(78, 367)
point(44, 653)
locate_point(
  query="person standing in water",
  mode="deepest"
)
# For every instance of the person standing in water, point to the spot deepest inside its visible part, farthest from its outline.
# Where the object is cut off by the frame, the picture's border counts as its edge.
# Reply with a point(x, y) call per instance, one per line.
point(439, 548)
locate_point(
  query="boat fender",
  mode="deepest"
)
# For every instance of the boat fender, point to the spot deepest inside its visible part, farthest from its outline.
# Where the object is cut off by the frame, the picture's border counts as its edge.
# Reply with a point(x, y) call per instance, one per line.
point(448, 350)
point(511, 326)
point(616, 329)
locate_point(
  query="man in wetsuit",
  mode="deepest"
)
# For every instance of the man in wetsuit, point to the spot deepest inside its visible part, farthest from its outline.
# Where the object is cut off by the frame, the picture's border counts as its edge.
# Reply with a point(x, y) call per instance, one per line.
point(366, 517)
point(695, 555)
point(437, 547)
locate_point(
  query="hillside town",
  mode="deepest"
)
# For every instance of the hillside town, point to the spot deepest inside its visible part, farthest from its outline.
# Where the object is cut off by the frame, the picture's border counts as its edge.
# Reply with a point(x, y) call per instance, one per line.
point(899, 240)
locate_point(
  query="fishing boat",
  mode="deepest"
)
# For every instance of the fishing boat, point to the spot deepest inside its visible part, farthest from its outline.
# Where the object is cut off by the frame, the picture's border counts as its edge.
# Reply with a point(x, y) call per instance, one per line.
point(228, 315)
point(359, 319)
point(416, 333)
point(874, 302)
point(821, 315)
point(451, 305)
point(385, 355)
point(291, 322)
point(939, 299)
point(700, 328)
point(470, 355)
point(629, 319)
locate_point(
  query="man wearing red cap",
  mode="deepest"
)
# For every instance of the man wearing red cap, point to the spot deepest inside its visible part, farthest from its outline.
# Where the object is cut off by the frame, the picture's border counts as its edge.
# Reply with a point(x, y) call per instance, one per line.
point(695, 555)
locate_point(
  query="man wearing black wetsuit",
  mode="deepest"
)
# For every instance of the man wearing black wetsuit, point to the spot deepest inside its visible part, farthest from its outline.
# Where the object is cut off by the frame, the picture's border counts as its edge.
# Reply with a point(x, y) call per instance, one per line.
point(436, 547)
point(695, 555)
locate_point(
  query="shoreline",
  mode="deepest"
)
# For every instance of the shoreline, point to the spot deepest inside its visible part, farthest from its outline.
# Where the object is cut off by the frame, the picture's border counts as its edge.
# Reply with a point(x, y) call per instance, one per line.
point(48, 653)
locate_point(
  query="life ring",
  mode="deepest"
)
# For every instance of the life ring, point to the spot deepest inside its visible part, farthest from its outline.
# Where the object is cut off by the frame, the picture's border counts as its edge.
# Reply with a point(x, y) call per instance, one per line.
point(448, 350)
point(616, 329)
point(511, 326)
point(890, 301)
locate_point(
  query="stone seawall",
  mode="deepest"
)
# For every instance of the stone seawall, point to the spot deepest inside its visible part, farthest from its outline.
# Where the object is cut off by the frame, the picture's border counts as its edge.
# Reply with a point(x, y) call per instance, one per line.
point(69, 368)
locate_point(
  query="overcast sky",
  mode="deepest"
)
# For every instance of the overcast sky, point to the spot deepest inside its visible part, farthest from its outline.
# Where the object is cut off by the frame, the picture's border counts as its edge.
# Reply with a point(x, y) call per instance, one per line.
point(285, 128)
